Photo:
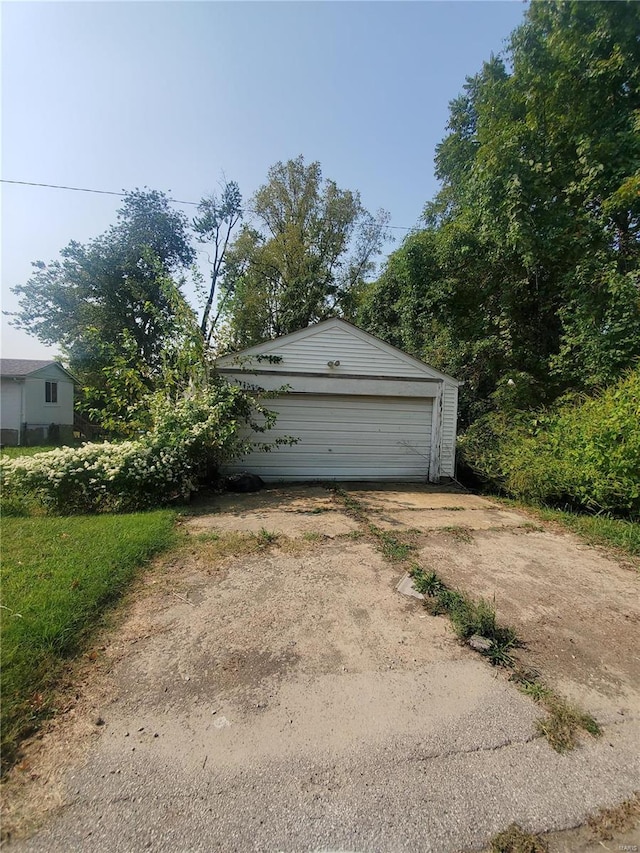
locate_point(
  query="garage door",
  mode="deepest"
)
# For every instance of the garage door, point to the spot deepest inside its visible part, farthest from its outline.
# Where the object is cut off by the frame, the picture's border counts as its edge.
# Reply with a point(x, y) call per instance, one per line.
point(346, 438)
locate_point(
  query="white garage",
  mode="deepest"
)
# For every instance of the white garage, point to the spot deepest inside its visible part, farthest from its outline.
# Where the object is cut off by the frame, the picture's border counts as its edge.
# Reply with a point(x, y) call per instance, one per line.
point(359, 408)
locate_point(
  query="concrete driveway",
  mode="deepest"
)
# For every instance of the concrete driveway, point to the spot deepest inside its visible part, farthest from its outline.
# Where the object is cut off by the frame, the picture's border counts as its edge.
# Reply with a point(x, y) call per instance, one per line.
point(269, 689)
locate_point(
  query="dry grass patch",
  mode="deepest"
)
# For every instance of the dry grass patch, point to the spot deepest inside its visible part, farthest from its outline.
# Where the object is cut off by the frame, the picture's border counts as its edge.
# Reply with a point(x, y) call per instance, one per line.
point(457, 532)
point(212, 546)
point(617, 819)
point(564, 723)
point(516, 840)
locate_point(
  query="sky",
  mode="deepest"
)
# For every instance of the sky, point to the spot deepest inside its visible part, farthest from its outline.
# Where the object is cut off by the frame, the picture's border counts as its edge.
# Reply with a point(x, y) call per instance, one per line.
point(174, 95)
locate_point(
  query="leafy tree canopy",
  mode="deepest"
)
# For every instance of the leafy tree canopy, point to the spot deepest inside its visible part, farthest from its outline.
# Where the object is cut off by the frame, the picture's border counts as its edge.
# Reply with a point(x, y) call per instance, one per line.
point(114, 306)
point(304, 257)
point(529, 267)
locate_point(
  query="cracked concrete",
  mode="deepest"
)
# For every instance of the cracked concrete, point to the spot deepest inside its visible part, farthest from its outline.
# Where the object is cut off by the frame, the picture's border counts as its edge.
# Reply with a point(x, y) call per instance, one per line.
point(293, 700)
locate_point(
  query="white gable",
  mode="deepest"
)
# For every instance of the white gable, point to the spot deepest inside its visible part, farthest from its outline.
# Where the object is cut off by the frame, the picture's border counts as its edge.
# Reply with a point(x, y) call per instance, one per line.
point(310, 350)
point(53, 371)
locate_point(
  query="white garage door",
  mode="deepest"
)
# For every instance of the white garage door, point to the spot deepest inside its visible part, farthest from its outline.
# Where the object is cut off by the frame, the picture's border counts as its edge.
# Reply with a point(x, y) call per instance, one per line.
point(346, 438)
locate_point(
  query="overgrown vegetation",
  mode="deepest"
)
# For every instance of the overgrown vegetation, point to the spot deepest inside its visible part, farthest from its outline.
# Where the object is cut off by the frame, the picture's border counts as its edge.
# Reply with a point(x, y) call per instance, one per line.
point(58, 577)
point(583, 452)
point(524, 280)
point(188, 440)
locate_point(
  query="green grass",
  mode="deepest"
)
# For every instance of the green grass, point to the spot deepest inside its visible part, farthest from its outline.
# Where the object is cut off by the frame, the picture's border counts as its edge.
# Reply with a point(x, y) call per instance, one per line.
point(58, 577)
point(468, 617)
point(620, 534)
point(564, 722)
point(14, 452)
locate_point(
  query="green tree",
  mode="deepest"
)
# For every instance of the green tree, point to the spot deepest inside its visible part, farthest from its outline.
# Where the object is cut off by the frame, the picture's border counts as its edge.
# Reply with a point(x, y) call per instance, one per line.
point(305, 256)
point(218, 216)
point(529, 268)
point(115, 307)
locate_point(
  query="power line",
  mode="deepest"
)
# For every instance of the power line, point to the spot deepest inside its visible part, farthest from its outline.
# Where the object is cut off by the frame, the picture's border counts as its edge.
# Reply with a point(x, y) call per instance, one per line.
point(83, 190)
point(123, 195)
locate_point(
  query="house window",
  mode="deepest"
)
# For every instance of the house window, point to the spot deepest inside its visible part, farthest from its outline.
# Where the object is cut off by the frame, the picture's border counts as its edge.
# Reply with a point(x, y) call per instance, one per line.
point(51, 392)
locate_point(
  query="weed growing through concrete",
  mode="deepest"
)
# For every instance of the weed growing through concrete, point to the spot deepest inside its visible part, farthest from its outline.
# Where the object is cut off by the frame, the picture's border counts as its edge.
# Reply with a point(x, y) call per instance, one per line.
point(620, 818)
point(516, 840)
point(459, 533)
point(391, 546)
point(563, 722)
point(214, 545)
point(313, 536)
point(468, 618)
point(266, 537)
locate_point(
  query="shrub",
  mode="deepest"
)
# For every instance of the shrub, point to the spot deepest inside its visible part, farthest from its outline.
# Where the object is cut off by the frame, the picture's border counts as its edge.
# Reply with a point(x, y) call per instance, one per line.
point(584, 451)
point(189, 440)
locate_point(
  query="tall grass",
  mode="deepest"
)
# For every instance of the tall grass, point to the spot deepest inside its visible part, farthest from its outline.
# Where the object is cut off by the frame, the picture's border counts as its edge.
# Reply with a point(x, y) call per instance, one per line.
point(619, 533)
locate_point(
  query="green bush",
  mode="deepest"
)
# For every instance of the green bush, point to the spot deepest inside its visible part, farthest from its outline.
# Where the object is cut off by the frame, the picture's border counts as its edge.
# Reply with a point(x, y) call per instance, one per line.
point(189, 440)
point(584, 452)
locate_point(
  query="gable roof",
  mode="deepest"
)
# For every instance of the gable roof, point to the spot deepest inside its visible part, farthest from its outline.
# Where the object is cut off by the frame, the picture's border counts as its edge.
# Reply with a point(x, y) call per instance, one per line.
point(20, 368)
point(270, 346)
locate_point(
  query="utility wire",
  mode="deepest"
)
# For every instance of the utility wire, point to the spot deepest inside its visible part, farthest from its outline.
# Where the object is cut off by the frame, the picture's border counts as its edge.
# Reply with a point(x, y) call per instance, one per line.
point(123, 195)
point(83, 190)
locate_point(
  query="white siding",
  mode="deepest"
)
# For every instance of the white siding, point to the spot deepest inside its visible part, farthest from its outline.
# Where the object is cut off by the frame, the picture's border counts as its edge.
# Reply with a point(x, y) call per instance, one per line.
point(346, 438)
point(10, 403)
point(358, 420)
point(449, 427)
point(357, 356)
point(37, 411)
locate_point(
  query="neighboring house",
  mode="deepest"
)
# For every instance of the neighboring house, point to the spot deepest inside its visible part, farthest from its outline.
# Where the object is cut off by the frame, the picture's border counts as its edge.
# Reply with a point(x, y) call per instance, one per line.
point(36, 402)
point(361, 409)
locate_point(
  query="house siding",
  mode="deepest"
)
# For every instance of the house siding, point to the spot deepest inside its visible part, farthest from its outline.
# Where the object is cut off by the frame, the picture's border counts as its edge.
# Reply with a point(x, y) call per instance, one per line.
point(311, 354)
point(23, 402)
point(37, 411)
point(449, 424)
point(11, 393)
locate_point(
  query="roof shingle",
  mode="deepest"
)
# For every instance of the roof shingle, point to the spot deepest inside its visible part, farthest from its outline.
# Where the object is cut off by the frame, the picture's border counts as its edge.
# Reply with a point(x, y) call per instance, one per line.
point(23, 366)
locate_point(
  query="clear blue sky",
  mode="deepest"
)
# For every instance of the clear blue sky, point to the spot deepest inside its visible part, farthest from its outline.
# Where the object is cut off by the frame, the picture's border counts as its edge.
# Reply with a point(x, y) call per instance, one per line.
point(170, 95)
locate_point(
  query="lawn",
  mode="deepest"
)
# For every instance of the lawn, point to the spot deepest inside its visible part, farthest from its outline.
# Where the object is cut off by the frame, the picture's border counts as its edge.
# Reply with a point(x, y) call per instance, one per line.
point(14, 452)
point(58, 577)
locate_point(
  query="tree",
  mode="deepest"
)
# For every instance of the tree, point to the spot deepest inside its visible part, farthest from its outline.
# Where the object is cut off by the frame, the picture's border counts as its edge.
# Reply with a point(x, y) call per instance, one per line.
point(529, 268)
point(304, 258)
point(218, 217)
point(115, 306)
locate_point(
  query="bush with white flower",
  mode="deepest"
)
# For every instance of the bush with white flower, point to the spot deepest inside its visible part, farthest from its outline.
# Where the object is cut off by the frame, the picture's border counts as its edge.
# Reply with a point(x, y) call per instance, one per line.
point(189, 440)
